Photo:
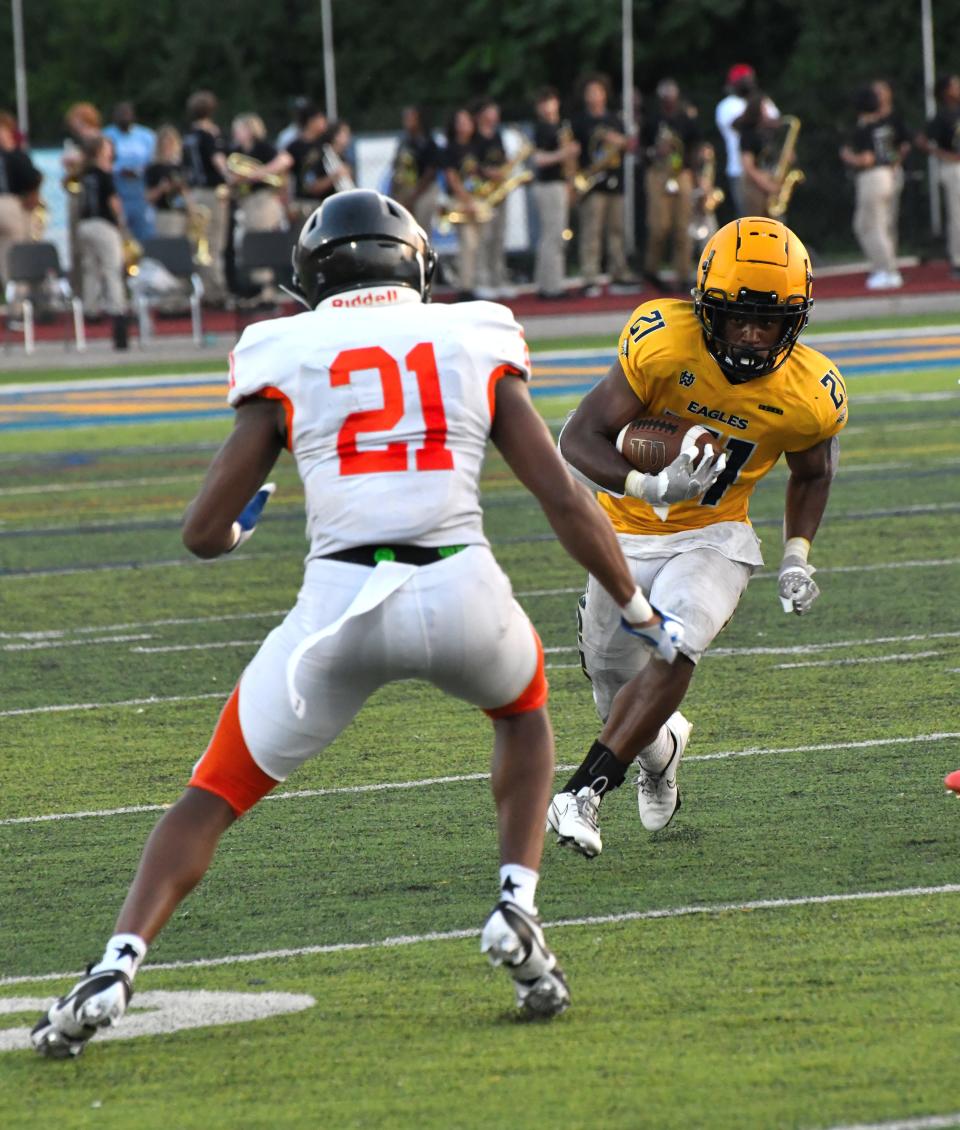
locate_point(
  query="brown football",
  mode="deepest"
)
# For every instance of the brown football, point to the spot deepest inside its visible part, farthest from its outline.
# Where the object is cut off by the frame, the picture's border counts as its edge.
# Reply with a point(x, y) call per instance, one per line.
point(652, 442)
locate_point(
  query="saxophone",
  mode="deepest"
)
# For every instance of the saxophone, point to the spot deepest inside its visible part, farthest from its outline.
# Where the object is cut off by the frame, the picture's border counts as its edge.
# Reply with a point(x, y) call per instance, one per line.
point(707, 197)
point(488, 194)
point(608, 157)
point(789, 178)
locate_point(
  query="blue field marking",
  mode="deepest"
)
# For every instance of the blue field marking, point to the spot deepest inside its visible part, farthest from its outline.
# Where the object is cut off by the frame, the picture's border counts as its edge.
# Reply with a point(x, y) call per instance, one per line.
point(202, 396)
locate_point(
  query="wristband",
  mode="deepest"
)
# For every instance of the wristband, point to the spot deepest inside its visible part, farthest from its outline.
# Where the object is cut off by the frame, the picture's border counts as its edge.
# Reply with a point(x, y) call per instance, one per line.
point(637, 610)
point(797, 547)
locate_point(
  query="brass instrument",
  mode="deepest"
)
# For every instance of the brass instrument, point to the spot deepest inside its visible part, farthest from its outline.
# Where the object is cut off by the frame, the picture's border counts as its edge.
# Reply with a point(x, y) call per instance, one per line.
point(250, 169)
point(707, 197)
point(788, 178)
point(608, 157)
point(488, 194)
point(132, 252)
point(198, 233)
point(335, 167)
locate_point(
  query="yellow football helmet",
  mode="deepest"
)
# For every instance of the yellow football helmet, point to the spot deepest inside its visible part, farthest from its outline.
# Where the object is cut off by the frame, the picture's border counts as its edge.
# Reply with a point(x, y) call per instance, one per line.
point(753, 267)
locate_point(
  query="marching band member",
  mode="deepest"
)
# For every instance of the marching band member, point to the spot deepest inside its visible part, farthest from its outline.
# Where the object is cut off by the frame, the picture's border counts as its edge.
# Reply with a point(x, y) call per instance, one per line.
point(101, 243)
point(205, 173)
point(491, 159)
point(460, 171)
point(19, 185)
point(554, 161)
point(413, 181)
point(165, 189)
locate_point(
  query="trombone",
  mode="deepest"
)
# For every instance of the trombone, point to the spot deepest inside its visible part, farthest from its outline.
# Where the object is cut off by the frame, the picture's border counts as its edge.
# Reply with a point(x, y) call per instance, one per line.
point(249, 169)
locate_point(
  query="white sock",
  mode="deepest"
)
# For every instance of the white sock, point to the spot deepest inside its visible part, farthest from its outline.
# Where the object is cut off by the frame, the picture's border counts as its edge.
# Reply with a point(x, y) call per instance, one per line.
point(654, 757)
point(123, 952)
point(519, 884)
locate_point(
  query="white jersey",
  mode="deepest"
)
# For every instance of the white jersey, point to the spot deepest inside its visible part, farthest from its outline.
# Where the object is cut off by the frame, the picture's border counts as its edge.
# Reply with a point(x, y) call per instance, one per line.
point(389, 404)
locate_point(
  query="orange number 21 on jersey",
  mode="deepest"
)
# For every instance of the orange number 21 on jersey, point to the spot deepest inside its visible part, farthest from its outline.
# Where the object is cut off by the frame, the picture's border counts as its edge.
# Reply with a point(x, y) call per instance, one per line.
point(433, 454)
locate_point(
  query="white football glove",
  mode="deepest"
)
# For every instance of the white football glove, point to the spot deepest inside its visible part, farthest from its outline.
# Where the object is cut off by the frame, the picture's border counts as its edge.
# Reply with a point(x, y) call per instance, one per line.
point(663, 638)
point(797, 588)
point(679, 481)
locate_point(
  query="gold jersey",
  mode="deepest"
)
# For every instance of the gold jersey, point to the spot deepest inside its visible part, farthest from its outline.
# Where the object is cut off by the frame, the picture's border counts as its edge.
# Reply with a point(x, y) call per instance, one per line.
point(666, 360)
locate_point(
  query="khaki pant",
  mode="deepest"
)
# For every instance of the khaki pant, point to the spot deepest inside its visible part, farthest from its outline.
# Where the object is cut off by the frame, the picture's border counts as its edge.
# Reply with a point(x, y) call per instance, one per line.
point(103, 277)
point(601, 221)
point(491, 252)
point(875, 216)
point(468, 243)
point(553, 212)
point(170, 223)
point(425, 207)
point(669, 212)
point(950, 179)
point(14, 228)
point(756, 202)
point(214, 280)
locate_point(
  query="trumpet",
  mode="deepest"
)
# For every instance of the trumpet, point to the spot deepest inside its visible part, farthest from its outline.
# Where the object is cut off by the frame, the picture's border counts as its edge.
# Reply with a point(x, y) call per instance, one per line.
point(789, 178)
point(250, 169)
point(335, 168)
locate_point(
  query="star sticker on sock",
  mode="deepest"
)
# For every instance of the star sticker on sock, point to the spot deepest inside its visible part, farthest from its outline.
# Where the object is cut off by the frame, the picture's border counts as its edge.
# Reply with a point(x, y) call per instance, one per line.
point(127, 950)
point(510, 886)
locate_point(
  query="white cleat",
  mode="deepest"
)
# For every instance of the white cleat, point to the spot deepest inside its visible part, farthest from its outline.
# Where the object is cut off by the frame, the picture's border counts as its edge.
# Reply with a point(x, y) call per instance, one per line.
point(658, 795)
point(574, 818)
point(513, 938)
point(96, 1001)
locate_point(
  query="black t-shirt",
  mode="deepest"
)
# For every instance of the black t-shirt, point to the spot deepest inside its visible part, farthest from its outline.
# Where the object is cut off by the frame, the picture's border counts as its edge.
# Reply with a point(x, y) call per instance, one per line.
point(172, 200)
point(199, 146)
point(546, 138)
point(96, 188)
point(414, 157)
point(18, 174)
point(589, 130)
point(462, 159)
point(678, 132)
point(882, 138)
point(761, 144)
point(944, 129)
point(489, 151)
point(307, 169)
point(262, 151)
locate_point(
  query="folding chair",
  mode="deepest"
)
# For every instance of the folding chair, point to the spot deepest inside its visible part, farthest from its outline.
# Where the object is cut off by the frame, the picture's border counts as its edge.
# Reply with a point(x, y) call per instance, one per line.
point(264, 250)
point(33, 263)
point(175, 254)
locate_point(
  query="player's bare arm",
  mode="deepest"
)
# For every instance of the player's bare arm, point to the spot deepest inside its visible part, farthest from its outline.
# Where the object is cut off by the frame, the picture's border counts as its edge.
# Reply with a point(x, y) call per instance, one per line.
point(237, 472)
point(524, 440)
point(589, 436)
point(808, 487)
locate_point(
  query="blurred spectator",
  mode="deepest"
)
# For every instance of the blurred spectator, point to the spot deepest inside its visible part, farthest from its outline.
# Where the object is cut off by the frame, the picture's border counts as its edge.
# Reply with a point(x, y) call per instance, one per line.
point(555, 163)
point(301, 109)
point(133, 147)
point(491, 156)
point(461, 172)
point(163, 179)
point(101, 243)
point(205, 173)
point(416, 161)
point(603, 142)
point(741, 83)
point(875, 152)
point(942, 140)
point(19, 191)
point(671, 138)
point(303, 159)
point(757, 131)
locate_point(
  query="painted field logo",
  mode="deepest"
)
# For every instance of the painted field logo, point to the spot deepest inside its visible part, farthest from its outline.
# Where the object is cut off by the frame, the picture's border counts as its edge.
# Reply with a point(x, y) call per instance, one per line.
point(151, 1014)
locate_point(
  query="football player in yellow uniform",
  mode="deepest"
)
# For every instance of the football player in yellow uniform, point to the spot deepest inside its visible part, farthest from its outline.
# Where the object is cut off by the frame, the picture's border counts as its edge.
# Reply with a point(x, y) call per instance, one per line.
point(731, 362)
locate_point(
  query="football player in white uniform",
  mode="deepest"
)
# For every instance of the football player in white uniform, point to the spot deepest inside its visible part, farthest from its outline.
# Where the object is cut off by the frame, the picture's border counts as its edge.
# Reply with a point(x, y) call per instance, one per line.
point(386, 403)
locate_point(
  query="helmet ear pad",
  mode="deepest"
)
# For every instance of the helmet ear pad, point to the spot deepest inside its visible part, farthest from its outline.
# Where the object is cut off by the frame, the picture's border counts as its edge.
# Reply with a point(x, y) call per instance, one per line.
point(359, 239)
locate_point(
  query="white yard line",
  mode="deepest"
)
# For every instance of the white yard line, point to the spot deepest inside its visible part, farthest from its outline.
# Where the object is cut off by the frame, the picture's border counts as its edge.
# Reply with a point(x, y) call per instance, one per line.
point(99, 484)
point(153, 700)
point(427, 782)
point(924, 1122)
point(176, 621)
point(39, 645)
point(456, 935)
point(903, 657)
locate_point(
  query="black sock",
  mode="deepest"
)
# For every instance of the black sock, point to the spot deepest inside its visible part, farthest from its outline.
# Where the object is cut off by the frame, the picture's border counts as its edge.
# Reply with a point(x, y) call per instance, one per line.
point(601, 770)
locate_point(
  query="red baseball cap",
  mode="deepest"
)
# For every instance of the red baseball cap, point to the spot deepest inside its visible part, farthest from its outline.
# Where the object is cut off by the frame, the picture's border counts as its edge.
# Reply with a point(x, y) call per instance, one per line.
point(739, 71)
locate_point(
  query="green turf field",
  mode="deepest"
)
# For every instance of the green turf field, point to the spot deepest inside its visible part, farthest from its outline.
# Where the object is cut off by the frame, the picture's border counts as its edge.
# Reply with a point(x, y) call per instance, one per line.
point(736, 970)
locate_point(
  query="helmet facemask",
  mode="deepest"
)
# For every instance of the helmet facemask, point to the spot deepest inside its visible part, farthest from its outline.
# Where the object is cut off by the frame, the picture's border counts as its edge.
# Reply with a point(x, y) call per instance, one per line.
point(741, 362)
